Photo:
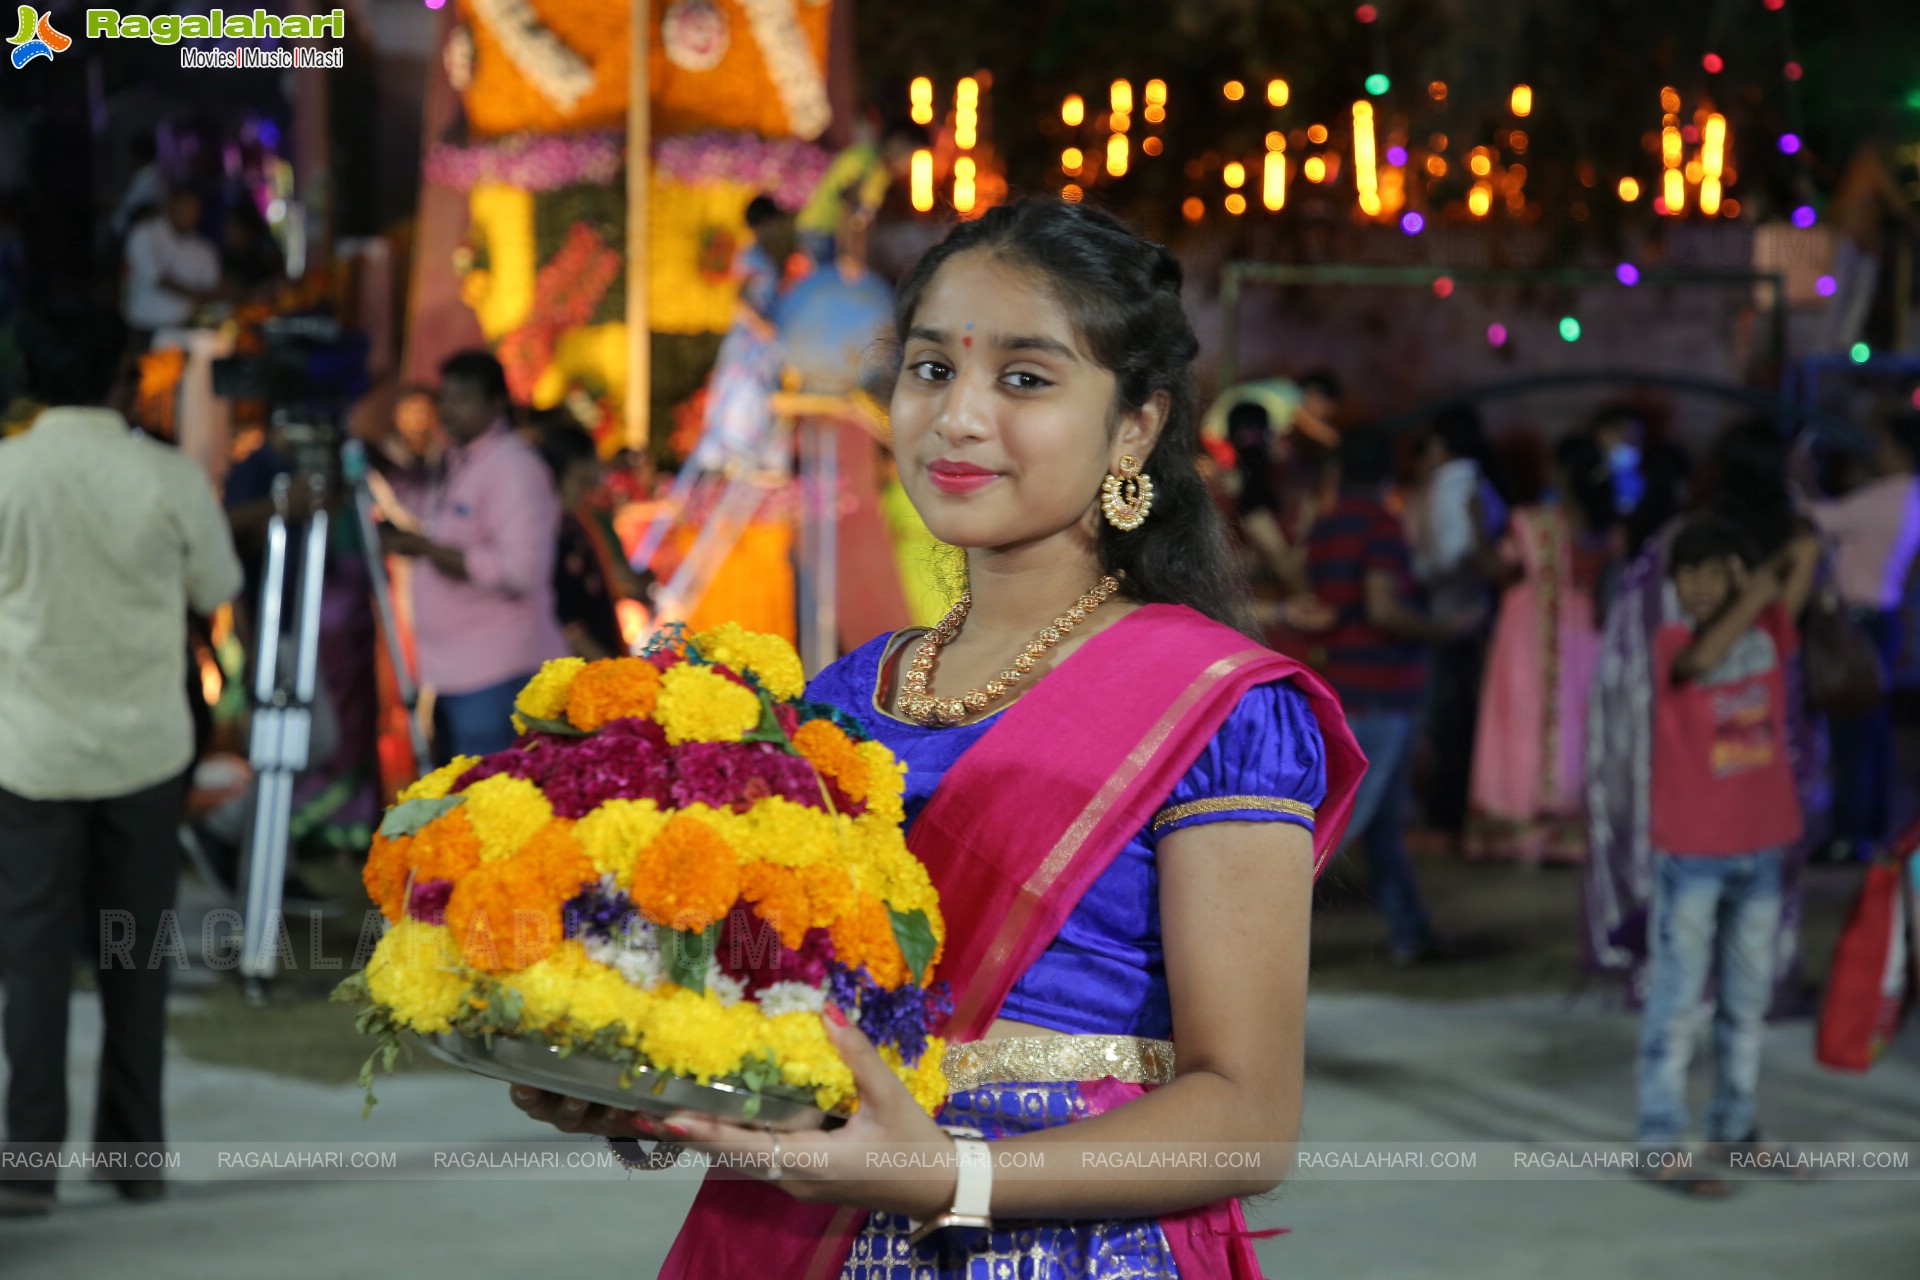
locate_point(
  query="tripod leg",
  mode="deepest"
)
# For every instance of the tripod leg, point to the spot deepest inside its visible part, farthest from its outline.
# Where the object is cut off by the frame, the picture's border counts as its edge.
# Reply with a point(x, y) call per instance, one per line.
point(389, 629)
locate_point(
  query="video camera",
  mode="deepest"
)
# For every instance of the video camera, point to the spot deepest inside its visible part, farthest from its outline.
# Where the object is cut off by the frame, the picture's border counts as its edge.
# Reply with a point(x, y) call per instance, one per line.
point(309, 371)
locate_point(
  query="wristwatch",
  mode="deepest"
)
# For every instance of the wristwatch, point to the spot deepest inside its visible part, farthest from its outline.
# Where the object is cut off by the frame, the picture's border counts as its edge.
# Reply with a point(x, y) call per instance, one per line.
point(972, 1190)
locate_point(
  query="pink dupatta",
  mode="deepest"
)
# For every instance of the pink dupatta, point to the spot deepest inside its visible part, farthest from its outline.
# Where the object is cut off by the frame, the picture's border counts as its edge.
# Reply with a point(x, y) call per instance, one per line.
point(1012, 849)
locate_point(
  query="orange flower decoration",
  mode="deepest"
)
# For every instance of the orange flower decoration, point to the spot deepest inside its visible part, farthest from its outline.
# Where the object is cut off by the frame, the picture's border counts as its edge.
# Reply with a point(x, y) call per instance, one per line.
point(503, 916)
point(446, 848)
point(832, 752)
point(778, 898)
point(563, 866)
point(829, 893)
point(612, 689)
point(864, 936)
point(687, 878)
point(385, 875)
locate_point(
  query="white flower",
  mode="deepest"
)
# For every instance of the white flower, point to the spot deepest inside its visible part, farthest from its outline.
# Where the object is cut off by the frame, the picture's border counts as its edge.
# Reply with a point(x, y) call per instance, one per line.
point(730, 990)
point(637, 959)
point(562, 76)
point(791, 997)
point(790, 65)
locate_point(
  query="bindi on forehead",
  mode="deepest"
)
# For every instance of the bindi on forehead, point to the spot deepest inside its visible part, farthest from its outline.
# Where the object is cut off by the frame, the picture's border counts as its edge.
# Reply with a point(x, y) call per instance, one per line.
point(967, 339)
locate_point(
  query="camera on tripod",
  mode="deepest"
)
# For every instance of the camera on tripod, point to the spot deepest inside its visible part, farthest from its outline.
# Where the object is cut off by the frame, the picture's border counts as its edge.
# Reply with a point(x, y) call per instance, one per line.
point(307, 371)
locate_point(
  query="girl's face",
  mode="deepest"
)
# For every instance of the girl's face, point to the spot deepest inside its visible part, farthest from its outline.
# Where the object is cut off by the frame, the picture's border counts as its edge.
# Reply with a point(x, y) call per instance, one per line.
point(1003, 423)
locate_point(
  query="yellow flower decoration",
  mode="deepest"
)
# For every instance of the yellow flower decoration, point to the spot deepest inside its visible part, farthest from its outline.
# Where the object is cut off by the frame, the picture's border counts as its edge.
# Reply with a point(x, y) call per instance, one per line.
point(886, 782)
point(687, 878)
point(436, 784)
point(612, 689)
point(416, 972)
point(614, 834)
point(807, 1059)
point(695, 1035)
point(926, 1082)
point(545, 696)
point(698, 704)
point(568, 991)
point(505, 812)
point(779, 831)
point(767, 658)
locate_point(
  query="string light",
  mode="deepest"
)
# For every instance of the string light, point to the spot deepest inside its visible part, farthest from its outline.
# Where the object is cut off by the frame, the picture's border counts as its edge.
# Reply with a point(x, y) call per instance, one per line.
point(1071, 159)
point(1234, 90)
point(1156, 93)
point(1792, 71)
point(1628, 274)
point(1314, 170)
point(1443, 287)
point(1517, 141)
point(1436, 167)
point(1151, 146)
point(1629, 189)
point(1073, 111)
point(1480, 199)
point(1278, 92)
point(963, 184)
point(1193, 208)
point(1826, 286)
point(1365, 14)
point(1236, 204)
point(1569, 329)
point(1438, 142)
point(1120, 94)
point(1480, 162)
point(1714, 64)
point(1276, 141)
point(966, 113)
point(1396, 156)
point(1378, 84)
point(1713, 160)
point(1860, 352)
point(1669, 100)
point(920, 94)
point(1273, 181)
point(1789, 143)
point(1521, 100)
point(1119, 122)
point(1316, 134)
point(1072, 193)
point(921, 180)
point(1235, 174)
point(1804, 217)
point(1412, 223)
point(1366, 178)
point(1437, 90)
point(1674, 192)
point(1497, 334)
point(1117, 155)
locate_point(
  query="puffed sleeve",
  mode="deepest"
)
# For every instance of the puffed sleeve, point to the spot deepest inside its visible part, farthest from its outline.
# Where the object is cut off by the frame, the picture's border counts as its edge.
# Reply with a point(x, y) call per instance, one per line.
point(1267, 763)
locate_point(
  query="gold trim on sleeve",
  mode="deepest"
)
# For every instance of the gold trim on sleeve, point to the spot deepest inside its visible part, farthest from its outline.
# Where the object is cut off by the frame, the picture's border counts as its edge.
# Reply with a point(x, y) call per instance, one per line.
point(1057, 1060)
point(1232, 804)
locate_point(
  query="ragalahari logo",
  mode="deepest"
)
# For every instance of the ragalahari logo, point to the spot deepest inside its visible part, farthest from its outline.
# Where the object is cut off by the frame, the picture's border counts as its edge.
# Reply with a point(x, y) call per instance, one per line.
point(37, 38)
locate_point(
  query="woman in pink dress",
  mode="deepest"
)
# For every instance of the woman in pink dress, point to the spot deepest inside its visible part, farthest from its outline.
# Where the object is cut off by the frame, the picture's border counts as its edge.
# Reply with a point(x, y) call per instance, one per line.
point(1529, 756)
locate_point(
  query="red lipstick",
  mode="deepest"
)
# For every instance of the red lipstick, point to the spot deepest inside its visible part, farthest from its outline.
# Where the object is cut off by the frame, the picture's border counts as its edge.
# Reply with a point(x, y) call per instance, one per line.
point(949, 476)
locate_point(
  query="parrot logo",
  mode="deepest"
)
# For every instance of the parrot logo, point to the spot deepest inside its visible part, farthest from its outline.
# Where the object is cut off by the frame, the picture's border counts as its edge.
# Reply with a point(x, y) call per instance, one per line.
point(37, 38)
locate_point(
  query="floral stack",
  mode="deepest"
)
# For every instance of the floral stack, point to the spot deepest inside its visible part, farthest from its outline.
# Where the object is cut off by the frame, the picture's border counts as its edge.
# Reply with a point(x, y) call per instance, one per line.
point(677, 866)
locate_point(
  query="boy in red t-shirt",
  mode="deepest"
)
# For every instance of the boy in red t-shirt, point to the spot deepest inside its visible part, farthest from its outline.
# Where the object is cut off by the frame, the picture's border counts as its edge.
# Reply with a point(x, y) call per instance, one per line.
point(1723, 807)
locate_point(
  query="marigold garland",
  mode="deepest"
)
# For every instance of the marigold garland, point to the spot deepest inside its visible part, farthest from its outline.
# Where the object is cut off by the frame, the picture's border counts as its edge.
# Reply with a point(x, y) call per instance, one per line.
point(686, 787)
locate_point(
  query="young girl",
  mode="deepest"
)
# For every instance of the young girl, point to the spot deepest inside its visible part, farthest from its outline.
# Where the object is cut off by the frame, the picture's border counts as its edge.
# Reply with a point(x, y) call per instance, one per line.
point(1121, 799)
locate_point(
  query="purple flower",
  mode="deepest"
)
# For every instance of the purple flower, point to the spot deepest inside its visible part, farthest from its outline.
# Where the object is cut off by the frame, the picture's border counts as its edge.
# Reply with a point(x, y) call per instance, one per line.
point(427, 901)
point(597, 912)
point(624, 760)
point(903, 1017)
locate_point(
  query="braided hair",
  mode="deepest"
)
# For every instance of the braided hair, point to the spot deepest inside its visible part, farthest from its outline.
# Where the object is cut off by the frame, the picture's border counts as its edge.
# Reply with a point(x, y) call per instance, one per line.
point(1122, 293)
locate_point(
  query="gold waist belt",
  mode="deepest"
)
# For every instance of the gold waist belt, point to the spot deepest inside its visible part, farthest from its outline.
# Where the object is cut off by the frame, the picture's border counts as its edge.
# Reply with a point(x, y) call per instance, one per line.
point(1057, 1060)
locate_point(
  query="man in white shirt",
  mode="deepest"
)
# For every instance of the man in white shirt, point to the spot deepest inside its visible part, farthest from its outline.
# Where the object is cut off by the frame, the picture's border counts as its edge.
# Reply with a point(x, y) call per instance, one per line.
point(171, 271)
point(107, 539)
point(1874, 533)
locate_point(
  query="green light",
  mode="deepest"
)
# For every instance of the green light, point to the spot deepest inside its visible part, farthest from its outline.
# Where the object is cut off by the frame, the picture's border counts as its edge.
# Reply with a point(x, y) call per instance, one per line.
point(1569, 328)
point(1377, 84)
point(1860, 351)
point(1913, 99)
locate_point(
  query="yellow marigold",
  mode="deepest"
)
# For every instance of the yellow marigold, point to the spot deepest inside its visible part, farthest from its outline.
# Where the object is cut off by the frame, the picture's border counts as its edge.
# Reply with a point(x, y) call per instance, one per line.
point(687, 878)
point(926, 1082)
point(615, 832)
point(830, 893)
point(807, 1058)
point(767, 658)
point(436, 784)
point(568, 993)
point(779, 831)
point(503, 915)
point(446, 848)
point(886, 781)
point(832, 752)
point(697, 704)
point(864, 936)
point(693, 1034)
point(883, 866)
point(612, 689)
point(563, 865)
point(778, 898)
point(545, 696)
point(505, 812)
point(385, 875)
point(415, 971)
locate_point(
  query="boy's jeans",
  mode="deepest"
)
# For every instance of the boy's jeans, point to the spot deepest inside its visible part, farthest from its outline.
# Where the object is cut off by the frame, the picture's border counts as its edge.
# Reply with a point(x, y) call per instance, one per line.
point(1379, 821)
point(1704, 908)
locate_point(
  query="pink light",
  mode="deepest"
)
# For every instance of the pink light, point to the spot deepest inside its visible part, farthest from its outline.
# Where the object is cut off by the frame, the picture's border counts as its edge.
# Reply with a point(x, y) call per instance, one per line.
point(1660, 205)
point(436, 4)
point(1773, 6)
point(1497, 334)
point(1826, 286)
point(1365, 13)
point(1396, 155)
point(1916, 397)
point(1714, 64)
point(1443, 287)
point(1792, 71)
point(1789, 143)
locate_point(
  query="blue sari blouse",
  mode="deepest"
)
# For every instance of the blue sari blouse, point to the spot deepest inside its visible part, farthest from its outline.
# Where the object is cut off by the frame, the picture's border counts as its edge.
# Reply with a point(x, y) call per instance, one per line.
point(1105, 972)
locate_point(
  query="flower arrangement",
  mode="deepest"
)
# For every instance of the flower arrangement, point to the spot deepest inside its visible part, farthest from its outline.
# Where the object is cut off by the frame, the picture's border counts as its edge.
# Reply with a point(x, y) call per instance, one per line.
point(529, 161)
point(785, 168)
point(677, 866)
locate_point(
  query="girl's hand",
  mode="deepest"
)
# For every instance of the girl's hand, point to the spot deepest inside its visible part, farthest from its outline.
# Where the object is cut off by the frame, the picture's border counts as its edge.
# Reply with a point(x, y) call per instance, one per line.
point(849, 1165)
point(576, 1115)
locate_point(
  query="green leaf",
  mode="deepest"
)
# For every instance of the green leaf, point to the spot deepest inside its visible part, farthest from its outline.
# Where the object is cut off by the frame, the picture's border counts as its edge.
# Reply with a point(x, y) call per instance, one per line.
point(769, 730)
point(751, 1107)
point(559, 728)
point(914, 932)
point(409, 816)
point(687, 953)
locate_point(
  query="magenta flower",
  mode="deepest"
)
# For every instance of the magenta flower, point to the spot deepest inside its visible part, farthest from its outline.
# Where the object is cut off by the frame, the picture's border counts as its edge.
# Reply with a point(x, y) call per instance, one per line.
point(427, 901)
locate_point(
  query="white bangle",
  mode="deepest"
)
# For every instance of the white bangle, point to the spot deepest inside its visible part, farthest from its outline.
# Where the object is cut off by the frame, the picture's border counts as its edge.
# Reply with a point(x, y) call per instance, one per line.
point(972, 1188)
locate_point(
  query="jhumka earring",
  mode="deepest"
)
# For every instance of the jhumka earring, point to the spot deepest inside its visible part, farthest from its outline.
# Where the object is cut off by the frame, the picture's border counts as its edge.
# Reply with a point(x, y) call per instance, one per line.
point(1125, 499)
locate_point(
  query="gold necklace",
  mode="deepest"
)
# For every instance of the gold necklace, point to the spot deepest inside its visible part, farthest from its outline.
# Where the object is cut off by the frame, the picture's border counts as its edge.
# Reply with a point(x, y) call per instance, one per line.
point(917, 701)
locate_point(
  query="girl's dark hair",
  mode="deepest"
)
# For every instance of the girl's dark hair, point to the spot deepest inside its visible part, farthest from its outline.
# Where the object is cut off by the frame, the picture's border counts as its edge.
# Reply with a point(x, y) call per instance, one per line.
point(1123, 295)
point(1748, 485)
point(1589, 480)
point(563, 445)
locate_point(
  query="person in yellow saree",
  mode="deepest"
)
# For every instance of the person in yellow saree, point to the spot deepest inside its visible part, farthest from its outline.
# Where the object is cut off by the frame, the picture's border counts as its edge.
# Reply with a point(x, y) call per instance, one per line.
point(1120, 797)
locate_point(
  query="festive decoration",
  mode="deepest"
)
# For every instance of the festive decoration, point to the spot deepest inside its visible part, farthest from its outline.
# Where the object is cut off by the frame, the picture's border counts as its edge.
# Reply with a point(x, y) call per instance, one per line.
point(567, 291)
point(678, 865)
point(784, 168)
point(694, 34)
point(531, 162)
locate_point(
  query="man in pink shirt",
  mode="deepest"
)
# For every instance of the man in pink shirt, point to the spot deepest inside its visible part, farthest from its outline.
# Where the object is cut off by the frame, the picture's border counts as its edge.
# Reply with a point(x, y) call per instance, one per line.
point(483, 581)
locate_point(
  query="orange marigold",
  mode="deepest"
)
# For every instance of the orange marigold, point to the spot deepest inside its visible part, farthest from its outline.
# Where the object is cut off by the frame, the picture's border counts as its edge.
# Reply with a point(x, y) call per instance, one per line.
point(563, 865)
point(829, 893)
point(385, 875)
point(687, 878)
point(778, 898)
point(503, 916)
point(833, 753)
point(446, 848)
point(612, 689)
point(864, 936)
